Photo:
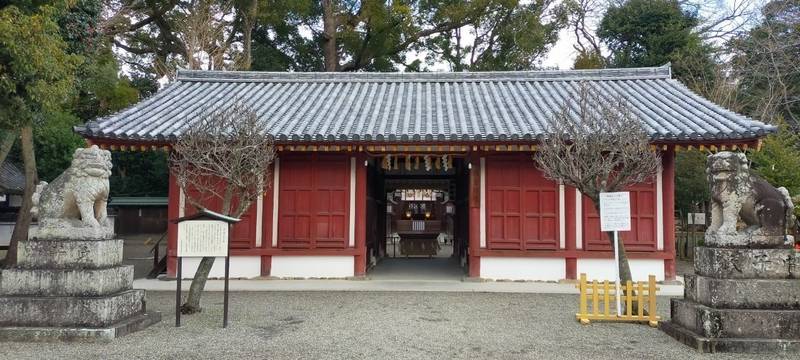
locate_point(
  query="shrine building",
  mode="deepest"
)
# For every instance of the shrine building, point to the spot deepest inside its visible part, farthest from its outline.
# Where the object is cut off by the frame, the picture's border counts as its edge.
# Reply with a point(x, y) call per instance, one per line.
point(374, 166)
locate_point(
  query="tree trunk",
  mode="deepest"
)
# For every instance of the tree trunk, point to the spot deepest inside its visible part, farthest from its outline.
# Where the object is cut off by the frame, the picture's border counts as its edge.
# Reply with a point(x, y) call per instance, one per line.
point(624, 267)
point(24, 215)
point(329, 35)
point(5, 145)
point(249, 18)
point(192, 304)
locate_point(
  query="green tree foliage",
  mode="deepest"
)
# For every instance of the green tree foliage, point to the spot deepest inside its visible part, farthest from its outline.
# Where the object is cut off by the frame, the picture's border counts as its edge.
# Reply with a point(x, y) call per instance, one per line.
point(139, 174)
point(368, 35)
point(765, 64)
point(653, 33)
point(55, 142)
point(779, 159)
point(691, 184)
point(37, 74)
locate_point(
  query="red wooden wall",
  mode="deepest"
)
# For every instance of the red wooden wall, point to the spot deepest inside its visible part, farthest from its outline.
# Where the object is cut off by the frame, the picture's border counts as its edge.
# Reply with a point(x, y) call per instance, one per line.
point(313, 202)
point(642, 236)
point(244, 232)
point(521, 206)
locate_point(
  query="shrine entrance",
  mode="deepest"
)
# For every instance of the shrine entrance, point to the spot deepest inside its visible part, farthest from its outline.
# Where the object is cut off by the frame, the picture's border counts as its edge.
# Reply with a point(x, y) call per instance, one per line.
point(417, 217)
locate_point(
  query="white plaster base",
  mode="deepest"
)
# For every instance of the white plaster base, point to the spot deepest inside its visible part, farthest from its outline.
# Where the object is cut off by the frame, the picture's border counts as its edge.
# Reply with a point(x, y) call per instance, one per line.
point(241, 267)
point(523, 268)
point(312, 266)
point(603, 269)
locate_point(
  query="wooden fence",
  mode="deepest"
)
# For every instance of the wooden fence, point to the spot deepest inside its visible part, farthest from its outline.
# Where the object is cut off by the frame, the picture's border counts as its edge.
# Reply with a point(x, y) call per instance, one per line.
point(642, 293)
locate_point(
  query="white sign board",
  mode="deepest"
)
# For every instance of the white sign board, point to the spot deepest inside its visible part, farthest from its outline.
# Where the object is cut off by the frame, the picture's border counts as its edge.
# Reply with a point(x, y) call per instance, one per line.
point(200, 238)
point(615, 211)
point(699, 218)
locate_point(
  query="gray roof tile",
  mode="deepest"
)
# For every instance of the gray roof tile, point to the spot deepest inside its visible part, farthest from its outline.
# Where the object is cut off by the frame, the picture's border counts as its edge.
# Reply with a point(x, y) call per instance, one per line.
point(473, 106)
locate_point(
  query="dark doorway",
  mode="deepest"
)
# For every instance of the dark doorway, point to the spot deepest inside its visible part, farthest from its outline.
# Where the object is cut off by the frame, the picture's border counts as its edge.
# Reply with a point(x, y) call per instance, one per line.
point(417, 217)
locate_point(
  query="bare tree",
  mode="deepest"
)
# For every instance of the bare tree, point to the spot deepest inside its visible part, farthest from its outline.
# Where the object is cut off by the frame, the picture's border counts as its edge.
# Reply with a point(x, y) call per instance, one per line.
point(224, 156)
point(597, 144)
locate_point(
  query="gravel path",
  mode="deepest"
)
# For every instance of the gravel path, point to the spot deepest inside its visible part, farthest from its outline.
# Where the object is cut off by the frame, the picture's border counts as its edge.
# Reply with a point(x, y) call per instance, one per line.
point(378, 325)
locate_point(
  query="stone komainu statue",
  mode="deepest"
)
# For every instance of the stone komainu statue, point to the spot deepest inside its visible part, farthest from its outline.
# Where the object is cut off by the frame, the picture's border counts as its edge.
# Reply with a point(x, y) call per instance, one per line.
point(74, 204)
point(746, 211)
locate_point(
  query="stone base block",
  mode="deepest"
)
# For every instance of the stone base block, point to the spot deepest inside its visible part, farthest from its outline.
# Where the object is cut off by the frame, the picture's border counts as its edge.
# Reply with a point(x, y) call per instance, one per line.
point(104, 334)
point(65, 282)
point(782, 294)
point(93, 312)
point(727, 263)
point(736, 323)
point(58, 228)
point(745, 240)
point(739, 345)
point(69, 254)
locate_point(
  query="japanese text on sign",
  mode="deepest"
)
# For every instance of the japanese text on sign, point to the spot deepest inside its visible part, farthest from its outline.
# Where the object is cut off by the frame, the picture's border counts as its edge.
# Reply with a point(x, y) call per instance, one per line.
point(198, 238)
point(615, 211)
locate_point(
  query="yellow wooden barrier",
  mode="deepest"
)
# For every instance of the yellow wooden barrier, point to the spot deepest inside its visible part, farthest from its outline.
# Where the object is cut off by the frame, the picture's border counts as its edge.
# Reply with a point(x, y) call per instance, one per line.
point(644, 293)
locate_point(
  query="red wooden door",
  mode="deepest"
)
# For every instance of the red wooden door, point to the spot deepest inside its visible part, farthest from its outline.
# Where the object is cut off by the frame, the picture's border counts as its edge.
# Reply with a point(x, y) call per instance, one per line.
point(642, 236)
point(521, 206)
point(313, 202)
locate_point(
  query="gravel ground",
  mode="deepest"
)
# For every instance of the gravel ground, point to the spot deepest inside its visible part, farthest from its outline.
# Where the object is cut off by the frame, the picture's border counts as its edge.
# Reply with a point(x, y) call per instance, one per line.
point(378, 325)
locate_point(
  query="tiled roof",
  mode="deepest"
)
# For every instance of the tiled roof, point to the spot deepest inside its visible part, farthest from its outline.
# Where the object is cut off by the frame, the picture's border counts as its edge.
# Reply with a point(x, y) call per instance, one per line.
point(465, 106)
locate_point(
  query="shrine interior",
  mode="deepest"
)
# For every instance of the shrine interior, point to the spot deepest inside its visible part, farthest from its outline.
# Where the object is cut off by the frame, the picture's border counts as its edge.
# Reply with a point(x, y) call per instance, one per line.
point(417, 216)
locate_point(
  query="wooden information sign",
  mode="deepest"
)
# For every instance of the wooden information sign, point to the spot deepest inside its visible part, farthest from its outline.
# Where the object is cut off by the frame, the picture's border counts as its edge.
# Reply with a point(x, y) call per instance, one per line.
point(204, 234)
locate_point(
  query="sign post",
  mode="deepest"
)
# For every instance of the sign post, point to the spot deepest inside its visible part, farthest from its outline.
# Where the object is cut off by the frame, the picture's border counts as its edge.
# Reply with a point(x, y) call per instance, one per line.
point(205, 234)
point(615, 215)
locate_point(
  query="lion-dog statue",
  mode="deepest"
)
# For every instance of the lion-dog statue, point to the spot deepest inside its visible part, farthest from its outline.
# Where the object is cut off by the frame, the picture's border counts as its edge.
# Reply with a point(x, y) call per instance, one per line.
point(746, 211)
point(74, 204)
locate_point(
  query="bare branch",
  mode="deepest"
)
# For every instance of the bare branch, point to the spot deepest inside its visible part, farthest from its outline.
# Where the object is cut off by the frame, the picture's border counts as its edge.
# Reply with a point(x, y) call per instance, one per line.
point(597, 144)
point(225, 156)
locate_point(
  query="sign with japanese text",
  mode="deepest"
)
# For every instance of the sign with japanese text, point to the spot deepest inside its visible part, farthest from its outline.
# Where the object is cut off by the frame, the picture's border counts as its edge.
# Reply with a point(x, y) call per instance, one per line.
point(615, 211)
point(200, 238)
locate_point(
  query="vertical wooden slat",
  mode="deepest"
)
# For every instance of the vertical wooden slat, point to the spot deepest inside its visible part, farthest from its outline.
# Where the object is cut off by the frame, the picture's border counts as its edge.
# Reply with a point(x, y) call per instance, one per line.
point(606, 297)
point(582, 289)
point(595, 299)
point(640, 299)
point(628, 298)
point(652, 297)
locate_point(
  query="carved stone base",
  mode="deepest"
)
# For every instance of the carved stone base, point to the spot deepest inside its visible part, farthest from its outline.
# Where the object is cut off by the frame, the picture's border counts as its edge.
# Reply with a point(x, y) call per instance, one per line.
point(69, 254)
point(747, 263)
point(104, 334)
point(746, 240)
point(729, 345)
point(743, 293)
point(70, 290)
point(72, 229)
point(66, 282)
point(69, 311)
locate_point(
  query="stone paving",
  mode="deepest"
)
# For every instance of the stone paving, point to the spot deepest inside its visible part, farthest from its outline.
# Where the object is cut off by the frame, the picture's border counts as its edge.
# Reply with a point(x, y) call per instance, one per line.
point(378, 325)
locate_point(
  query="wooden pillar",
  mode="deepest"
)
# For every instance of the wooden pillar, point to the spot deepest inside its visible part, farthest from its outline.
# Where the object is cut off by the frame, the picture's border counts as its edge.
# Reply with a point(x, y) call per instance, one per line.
point(474, 217)
point(173, 202)
point(571, 229)
point(668, 178)
point(361, 216)
point(267, 217)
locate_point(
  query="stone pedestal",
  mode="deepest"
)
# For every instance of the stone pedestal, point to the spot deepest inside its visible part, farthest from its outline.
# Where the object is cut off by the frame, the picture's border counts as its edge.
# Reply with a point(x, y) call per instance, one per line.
point(740, 300)
point(70, 290)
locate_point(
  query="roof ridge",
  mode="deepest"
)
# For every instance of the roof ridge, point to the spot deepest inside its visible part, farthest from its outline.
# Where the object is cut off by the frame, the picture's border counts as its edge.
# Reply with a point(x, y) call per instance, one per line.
point(660, 72)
